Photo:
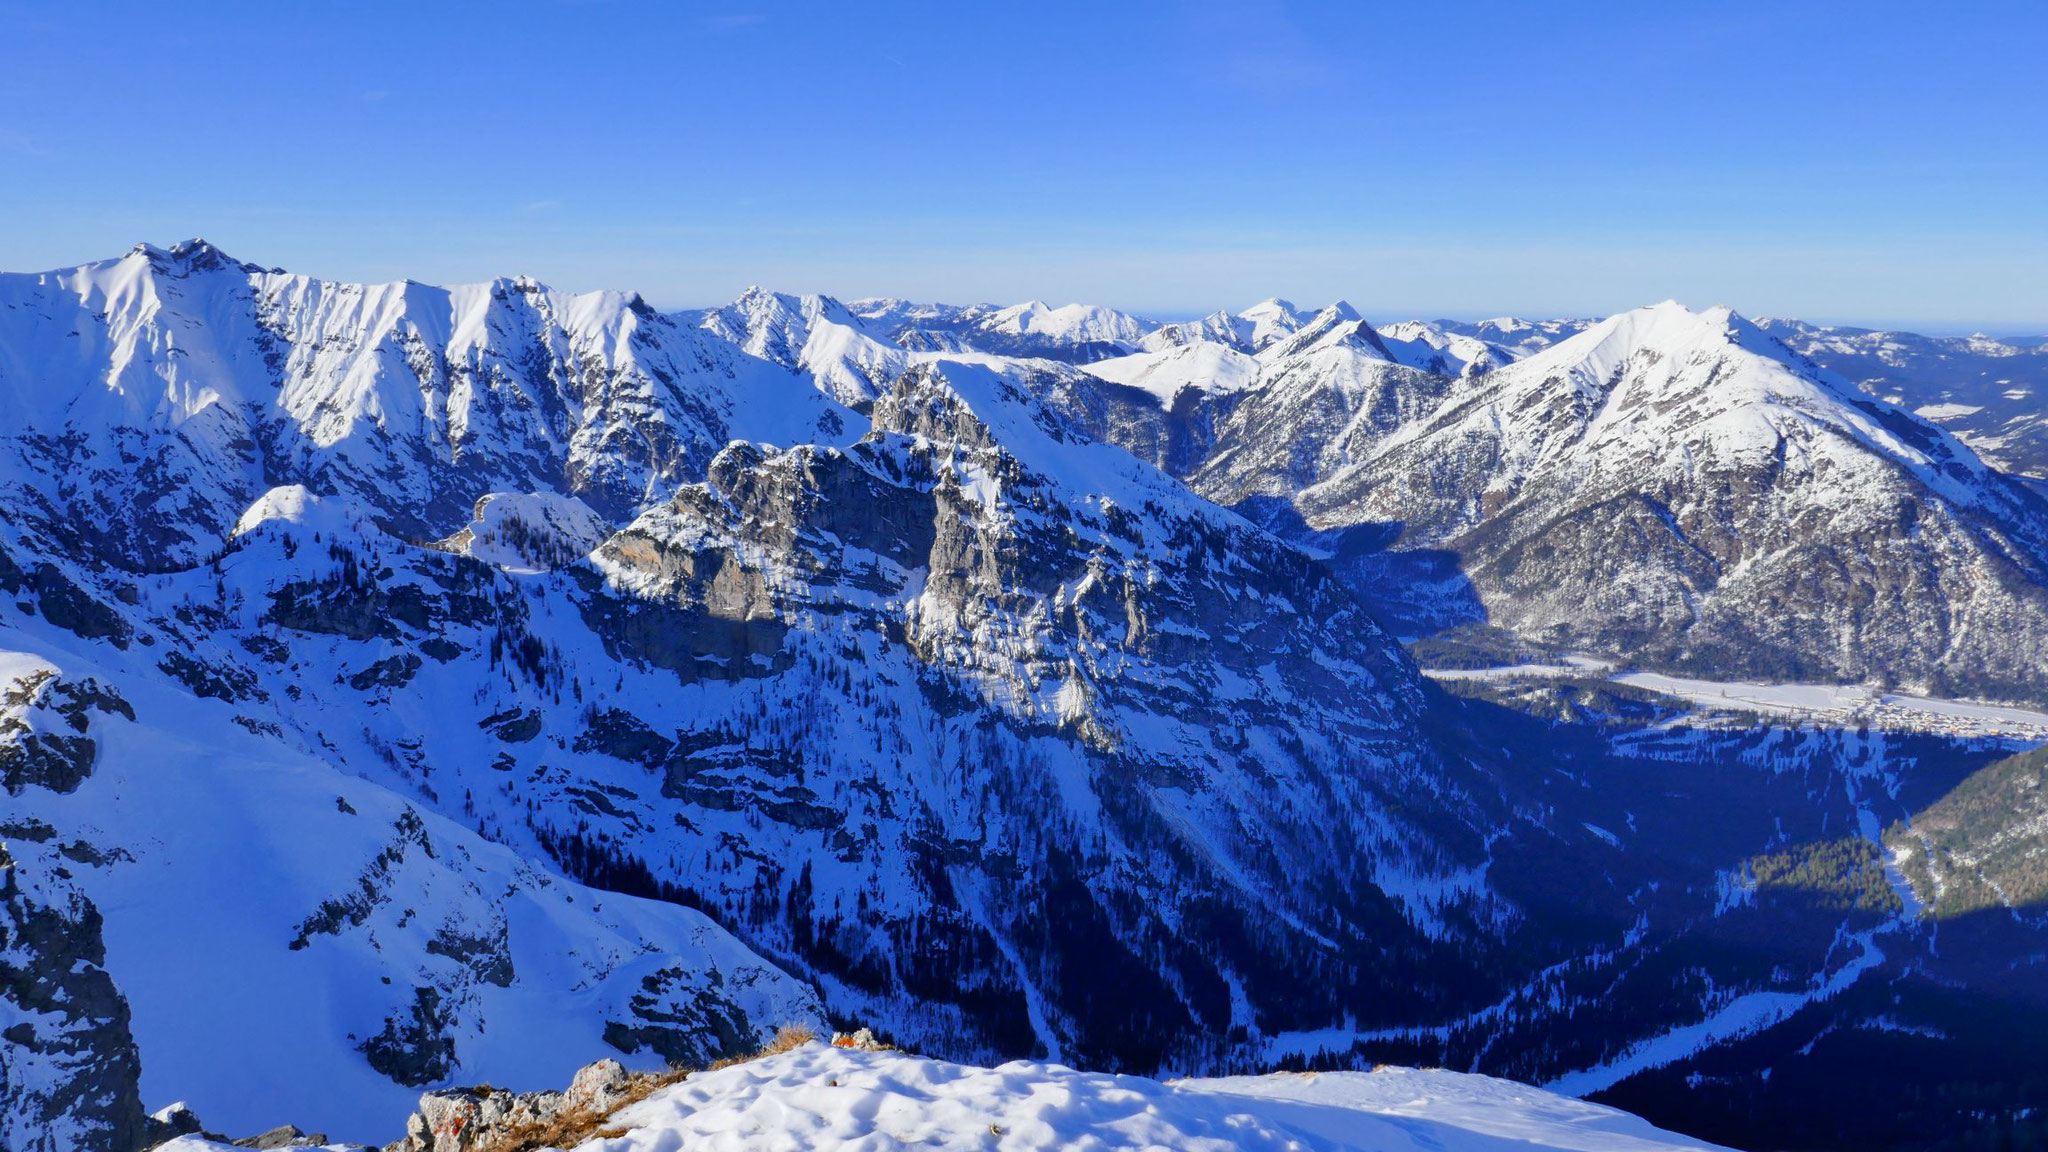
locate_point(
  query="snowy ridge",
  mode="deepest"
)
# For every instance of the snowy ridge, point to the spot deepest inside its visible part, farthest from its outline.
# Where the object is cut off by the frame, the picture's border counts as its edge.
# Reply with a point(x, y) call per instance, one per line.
point(1446, 353)
point(1271, 321)
point(1070, 324)
point(814, 334)
point(1074, 332)
point(1337, 326)
point(227, 379)
point(1210, 367)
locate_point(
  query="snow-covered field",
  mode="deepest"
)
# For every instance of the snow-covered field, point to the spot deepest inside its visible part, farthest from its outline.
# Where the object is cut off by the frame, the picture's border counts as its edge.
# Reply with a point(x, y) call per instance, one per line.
point(819, 1098)
point(1835, 703)
point(1854, 701)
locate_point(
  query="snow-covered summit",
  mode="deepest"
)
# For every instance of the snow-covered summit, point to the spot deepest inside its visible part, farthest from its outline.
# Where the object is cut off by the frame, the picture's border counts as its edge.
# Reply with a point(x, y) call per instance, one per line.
point(1337, 326)
point(851, 360)
point(1217, 327)
point(1206, 365)
point(1430, 347)
point(1253, 330)
point(776, 325)
point(294, 508)
point(1071, 323)
point(1271, 321)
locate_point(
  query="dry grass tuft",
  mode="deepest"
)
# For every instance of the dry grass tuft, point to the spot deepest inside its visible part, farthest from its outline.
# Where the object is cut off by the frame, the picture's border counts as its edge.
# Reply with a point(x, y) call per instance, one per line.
point(786, 1037)
point(573, 1126)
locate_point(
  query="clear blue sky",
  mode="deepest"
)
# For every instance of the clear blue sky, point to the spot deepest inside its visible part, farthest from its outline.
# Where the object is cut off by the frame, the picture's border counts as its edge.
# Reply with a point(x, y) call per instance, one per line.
point(1873, 162)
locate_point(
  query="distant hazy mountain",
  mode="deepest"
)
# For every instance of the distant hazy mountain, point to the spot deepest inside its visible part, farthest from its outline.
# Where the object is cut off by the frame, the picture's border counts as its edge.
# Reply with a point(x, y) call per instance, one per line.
point(1991, 393)
point(1076, 332)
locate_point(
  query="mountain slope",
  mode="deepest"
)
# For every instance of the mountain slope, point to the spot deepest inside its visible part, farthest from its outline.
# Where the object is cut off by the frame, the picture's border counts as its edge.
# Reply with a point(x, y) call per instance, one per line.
point(1679, 488)
point(1075, 333)
point(245, 886)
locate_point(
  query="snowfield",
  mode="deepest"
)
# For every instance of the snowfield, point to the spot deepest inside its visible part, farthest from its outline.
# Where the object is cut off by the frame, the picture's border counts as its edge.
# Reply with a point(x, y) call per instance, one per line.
point(820, 1099)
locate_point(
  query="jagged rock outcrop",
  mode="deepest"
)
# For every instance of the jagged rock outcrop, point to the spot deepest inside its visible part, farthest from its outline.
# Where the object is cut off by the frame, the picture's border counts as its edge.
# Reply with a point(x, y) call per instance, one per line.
point(69, 1068)
point(45, 725)
point(483, 1118)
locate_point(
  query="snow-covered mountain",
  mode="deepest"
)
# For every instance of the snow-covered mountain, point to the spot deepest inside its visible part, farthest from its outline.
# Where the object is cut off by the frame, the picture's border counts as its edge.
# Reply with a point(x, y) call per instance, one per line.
point(1271, 321)
point(1446, 353)
point(1520, 337)
point(492, 674)
point(1076, 333)
point(1251, 331)
point(1677, 487)
point(809, 334)
point(1667, 486)
point(158, 395)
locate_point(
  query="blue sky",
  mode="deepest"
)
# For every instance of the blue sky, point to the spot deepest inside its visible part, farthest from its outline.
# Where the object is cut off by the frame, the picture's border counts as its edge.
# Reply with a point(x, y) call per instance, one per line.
point(1866, 162)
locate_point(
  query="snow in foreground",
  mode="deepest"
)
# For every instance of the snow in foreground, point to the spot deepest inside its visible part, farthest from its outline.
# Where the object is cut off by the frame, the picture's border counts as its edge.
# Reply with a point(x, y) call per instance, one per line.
point(822, 1098)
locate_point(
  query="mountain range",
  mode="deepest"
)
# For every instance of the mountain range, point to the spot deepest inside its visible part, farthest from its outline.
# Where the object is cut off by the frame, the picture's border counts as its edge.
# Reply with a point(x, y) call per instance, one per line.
point(423, 685)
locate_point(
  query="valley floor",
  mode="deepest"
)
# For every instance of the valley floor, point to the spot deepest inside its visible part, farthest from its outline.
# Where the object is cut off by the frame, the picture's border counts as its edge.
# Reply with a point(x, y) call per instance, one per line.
point(1833, 704)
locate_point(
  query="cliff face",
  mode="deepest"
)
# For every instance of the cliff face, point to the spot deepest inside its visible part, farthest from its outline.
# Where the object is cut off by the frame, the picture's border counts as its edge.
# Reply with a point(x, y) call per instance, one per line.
point(69, 1076)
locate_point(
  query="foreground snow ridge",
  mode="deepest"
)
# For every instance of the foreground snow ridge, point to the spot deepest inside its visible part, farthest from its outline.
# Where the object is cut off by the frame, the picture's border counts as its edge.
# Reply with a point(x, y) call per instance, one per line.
point(820, 1098)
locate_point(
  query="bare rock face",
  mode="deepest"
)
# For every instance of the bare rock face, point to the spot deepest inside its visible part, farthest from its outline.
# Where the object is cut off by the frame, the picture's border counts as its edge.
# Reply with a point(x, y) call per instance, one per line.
point(68, 1064)
point(598, 1084)
point(472, 1119)
point(44, 725)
